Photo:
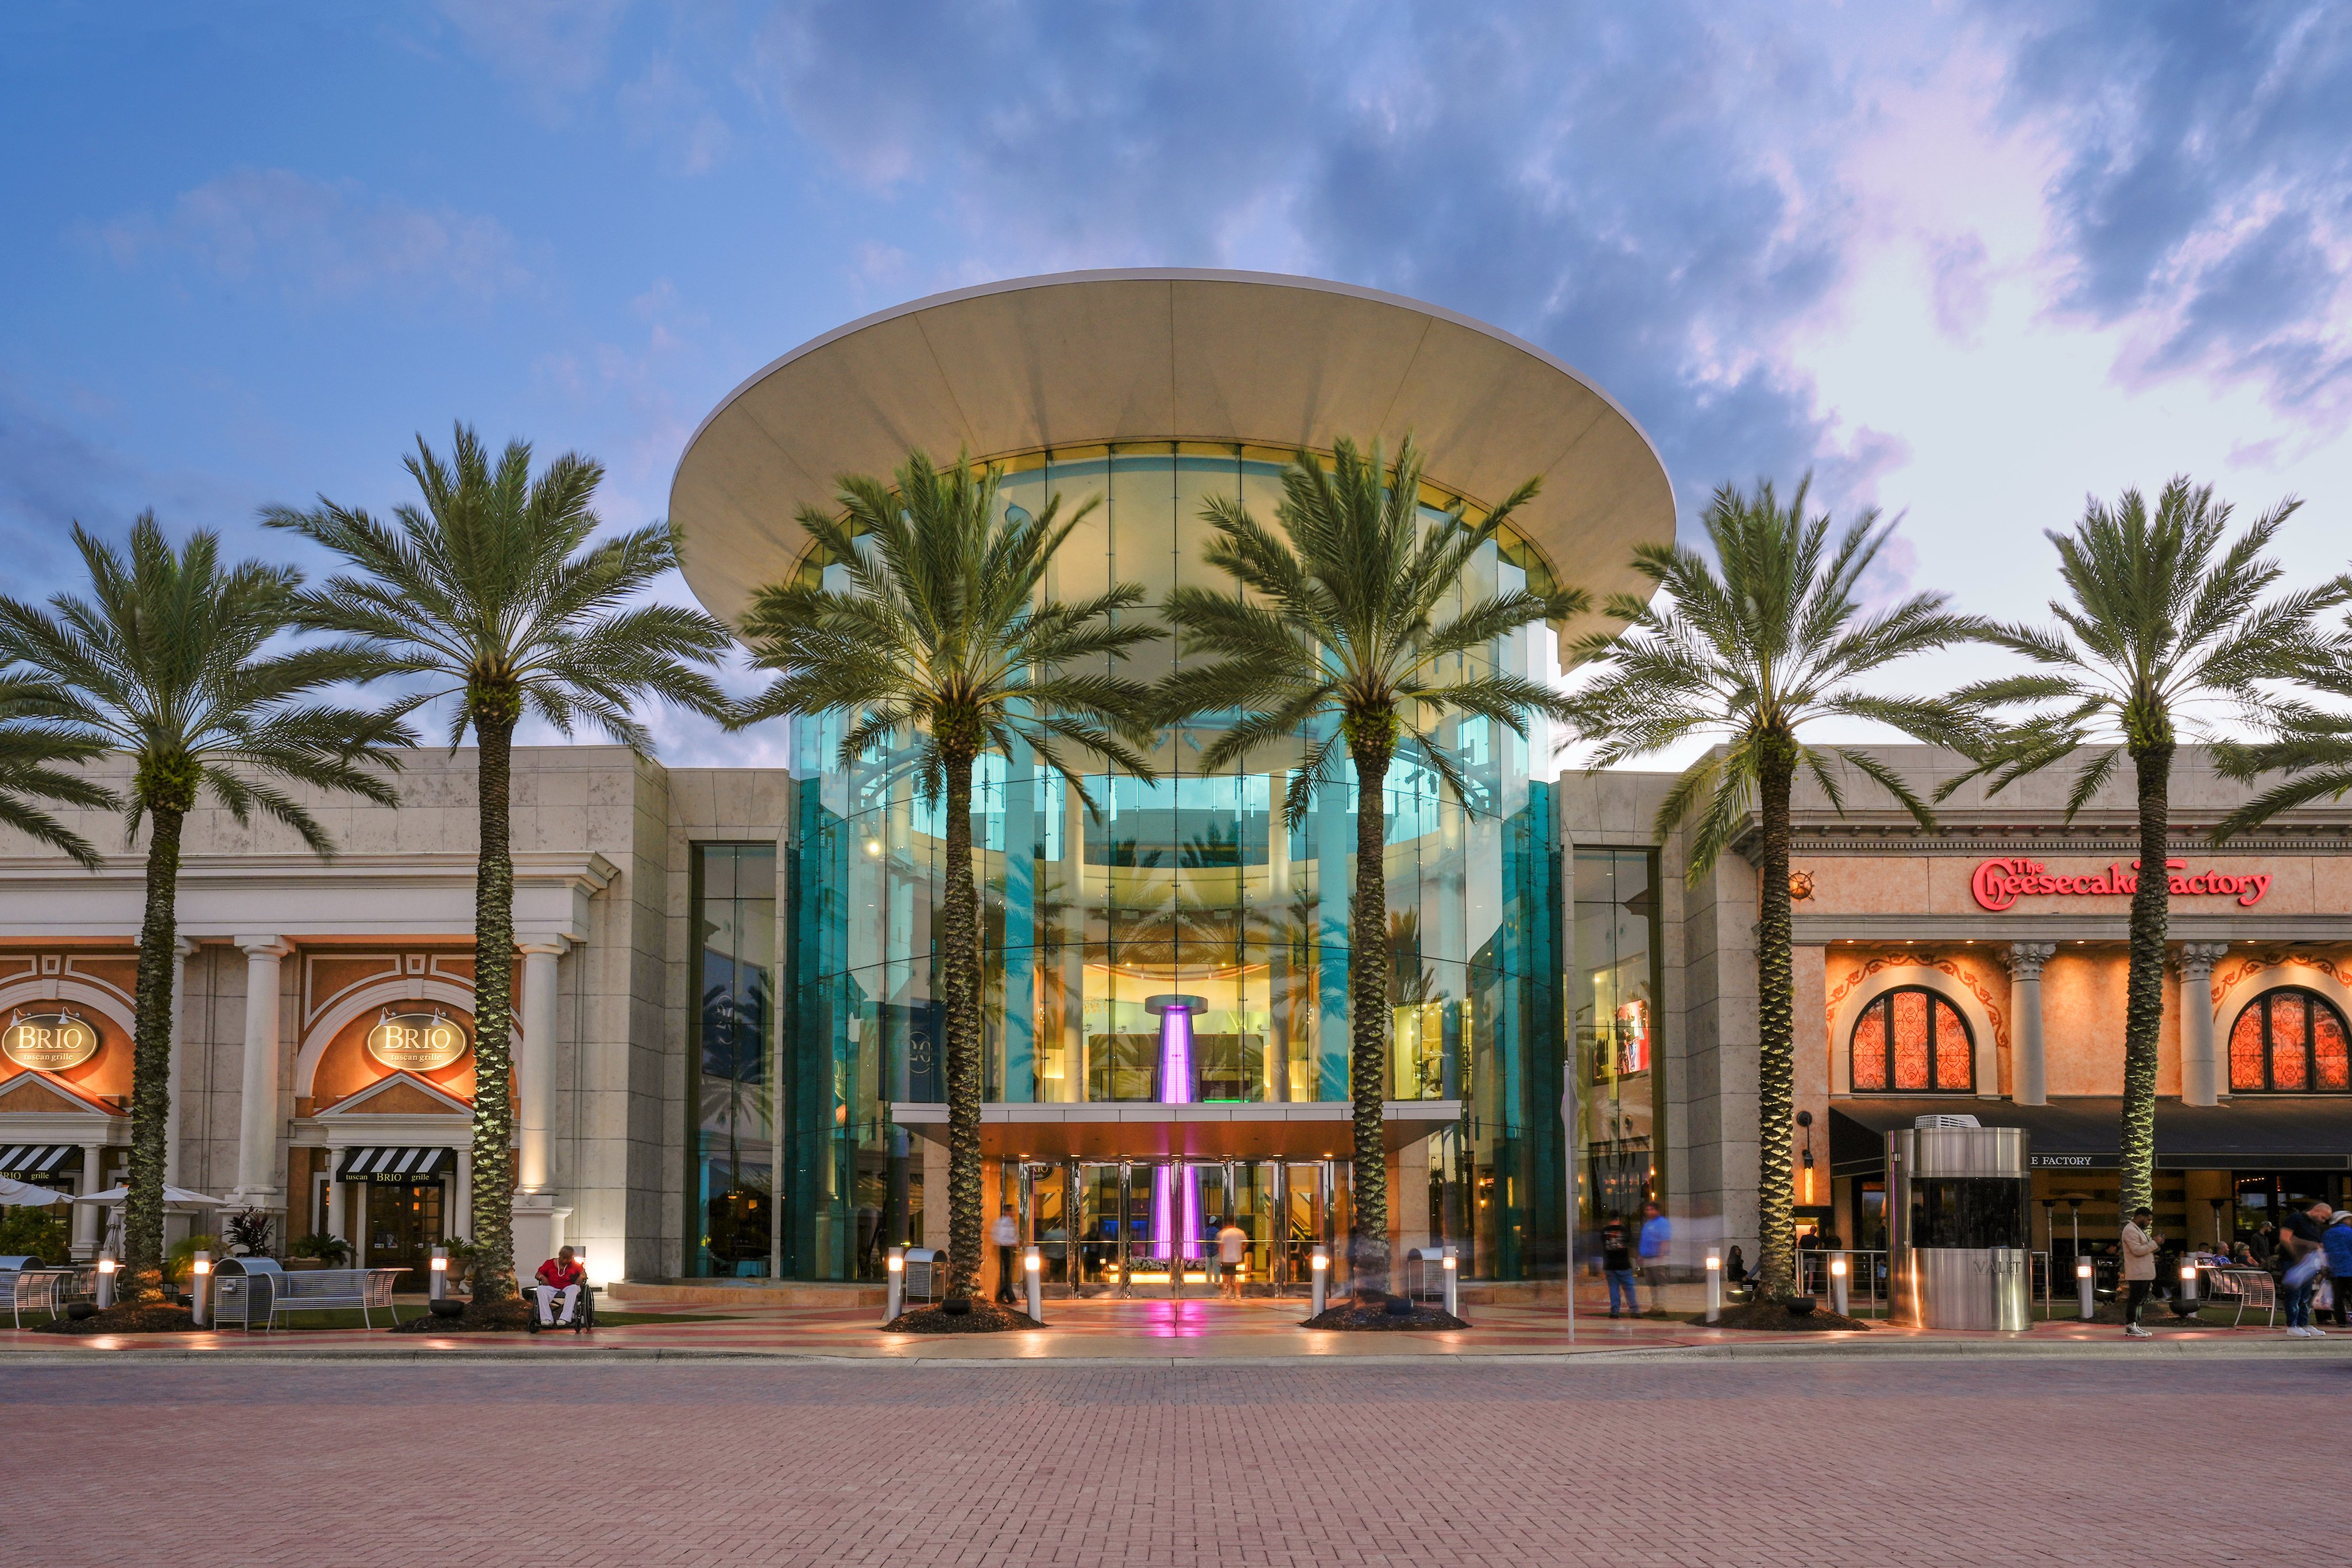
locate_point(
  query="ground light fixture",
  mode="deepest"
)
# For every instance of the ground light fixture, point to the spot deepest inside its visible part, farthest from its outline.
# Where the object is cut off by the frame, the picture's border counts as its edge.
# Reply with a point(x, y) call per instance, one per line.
point(1319, 1265)
point(436, 1278)
point(1714, 1285)
point(105, 1267)
point(2189, 1279)
point(2083, 1289)
point(1032, 1269)
point(200, 1290)
point(1838, 1297)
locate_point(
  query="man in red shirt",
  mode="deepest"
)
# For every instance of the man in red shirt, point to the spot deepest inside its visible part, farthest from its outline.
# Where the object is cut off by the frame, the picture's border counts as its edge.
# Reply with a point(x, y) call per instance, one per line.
point(559, 1276)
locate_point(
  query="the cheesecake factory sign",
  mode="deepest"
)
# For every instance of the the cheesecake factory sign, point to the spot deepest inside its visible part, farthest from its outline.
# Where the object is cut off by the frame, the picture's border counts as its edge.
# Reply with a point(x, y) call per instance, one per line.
point(1999, 884)
point(418, 1042)
point(50, 1042)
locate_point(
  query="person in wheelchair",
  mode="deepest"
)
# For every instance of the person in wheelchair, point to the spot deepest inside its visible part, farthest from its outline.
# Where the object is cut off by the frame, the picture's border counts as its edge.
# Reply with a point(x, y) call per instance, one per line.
point(559, 1277)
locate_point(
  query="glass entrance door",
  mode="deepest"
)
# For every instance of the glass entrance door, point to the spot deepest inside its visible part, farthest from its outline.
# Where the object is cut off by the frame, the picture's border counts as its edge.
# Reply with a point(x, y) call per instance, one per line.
point(401, 1226)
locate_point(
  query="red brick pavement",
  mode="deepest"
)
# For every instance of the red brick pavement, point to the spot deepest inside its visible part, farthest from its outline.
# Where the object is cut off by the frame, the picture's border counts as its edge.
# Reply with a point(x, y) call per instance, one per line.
point(1970, 1461)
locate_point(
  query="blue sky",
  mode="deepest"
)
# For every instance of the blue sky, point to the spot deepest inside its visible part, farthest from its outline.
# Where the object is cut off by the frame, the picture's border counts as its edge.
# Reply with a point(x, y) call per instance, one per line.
point(1966, 262)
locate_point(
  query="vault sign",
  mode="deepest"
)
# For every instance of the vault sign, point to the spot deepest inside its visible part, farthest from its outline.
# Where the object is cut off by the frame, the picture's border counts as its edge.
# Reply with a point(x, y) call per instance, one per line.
point(49, 1043)
point(417, 1042)
point(1998, 884)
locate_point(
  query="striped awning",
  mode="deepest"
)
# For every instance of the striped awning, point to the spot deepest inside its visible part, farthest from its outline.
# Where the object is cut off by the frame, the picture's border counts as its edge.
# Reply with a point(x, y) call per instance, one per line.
point(26, 1161)
point(395, 1163)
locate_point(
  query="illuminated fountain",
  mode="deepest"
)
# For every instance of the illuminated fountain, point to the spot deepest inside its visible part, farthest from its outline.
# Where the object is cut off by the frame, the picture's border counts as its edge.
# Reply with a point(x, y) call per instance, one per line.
point(1175, 1014)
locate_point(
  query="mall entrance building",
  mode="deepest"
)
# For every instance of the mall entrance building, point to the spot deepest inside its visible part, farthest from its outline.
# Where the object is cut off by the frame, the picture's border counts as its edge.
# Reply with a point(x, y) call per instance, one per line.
point(728, 1045)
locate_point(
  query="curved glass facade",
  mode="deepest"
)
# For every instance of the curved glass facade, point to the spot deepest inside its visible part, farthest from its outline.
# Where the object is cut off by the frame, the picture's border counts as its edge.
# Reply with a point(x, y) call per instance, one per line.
point(1188, 887)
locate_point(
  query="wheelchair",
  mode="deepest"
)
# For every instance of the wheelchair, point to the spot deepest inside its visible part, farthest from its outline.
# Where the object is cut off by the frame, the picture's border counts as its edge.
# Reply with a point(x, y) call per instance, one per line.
point(583, 1311)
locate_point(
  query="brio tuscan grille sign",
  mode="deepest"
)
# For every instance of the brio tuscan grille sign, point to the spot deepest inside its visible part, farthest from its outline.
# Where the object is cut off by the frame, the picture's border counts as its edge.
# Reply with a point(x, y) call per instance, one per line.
point(417, 1042)
point(48, 1042)
point(1999, 884)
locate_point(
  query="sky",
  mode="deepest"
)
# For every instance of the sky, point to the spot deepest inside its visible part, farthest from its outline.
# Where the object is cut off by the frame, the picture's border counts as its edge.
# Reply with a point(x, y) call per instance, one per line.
point(1966, 263)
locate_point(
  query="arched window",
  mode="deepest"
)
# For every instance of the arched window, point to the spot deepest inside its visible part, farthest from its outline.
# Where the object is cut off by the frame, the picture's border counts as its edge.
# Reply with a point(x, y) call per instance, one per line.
point(2289, 1041)
point(1913, 1041)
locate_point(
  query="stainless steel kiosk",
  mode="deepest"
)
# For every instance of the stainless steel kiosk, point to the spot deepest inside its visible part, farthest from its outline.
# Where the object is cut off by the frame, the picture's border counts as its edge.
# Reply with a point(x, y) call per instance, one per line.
point(1959, 1239)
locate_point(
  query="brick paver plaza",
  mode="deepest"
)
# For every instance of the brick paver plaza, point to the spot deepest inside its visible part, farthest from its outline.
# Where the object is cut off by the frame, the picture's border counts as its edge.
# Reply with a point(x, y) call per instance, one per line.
point(1961, 1461)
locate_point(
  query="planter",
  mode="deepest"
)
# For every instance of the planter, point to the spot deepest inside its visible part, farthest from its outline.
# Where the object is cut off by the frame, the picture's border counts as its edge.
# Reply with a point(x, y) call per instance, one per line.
point(1801, 1306)
point(447, 1307)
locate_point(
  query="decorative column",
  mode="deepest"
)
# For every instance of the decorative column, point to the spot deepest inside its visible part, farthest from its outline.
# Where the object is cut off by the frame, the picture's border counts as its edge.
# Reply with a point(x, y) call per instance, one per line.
point(179, 1076)
point(258, 1122)
point(538, 1219)
point(2200, 1078)
point(2029, 1072)
point(88, 1216)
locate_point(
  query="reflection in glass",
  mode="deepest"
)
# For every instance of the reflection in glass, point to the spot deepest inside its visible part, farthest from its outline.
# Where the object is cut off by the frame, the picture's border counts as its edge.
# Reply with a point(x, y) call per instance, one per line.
point(734, 909)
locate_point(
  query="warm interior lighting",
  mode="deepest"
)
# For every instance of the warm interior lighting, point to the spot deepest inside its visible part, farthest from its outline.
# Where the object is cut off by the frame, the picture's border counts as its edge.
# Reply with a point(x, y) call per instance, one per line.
point(873, 846)
point(1809, 1185)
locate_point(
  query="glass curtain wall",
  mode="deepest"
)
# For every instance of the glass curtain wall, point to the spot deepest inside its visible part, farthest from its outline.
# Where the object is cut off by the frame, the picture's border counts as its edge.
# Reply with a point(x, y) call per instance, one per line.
point(1615, 1003)
point(730, 1102)
point(1188, 888)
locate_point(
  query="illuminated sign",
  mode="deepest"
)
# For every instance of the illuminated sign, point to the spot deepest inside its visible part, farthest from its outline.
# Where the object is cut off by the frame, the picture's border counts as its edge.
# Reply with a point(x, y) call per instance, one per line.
point(50, 1042)
point(1632, 1036)
point(1999, 884)
point(417, 1042)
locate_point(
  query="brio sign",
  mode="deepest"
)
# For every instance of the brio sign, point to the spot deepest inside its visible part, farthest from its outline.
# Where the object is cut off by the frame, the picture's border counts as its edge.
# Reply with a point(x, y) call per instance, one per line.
point(1999, 884)
point(48, 1042)
point(418, 1042)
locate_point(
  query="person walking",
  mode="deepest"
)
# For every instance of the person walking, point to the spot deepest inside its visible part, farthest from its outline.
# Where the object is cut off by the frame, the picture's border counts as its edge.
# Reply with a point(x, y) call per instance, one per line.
point(2302, 1240)
point(1232, 1247)
point(1617, 1264)
point(2139, 1249)
point(1656, 1242)
point(2337, 1243)
point(1006, 1234)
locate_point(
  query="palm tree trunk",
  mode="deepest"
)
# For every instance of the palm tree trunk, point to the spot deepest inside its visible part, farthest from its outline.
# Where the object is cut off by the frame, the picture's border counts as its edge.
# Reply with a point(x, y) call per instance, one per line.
point(151, 1050)
point(1776, 1041)
point(1368, 981)
point(959, 993)
point(493, 1196)
point(2143, 992)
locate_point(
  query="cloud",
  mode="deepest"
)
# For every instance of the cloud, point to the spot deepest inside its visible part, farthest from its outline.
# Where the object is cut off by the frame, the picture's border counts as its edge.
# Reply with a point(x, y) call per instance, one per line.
point(2203, 193)
point(1650, 193)
point(553, 50)
point(321, 240)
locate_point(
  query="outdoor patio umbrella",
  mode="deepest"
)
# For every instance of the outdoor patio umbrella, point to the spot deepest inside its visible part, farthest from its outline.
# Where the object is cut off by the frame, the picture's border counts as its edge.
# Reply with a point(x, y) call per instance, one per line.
point(25, 1194)
point(173, 1198)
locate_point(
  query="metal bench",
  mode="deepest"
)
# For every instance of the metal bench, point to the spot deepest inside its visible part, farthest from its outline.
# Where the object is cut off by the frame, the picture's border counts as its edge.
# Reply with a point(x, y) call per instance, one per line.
point(2246, 1286)
point(257, 1287)
point(28, 1285)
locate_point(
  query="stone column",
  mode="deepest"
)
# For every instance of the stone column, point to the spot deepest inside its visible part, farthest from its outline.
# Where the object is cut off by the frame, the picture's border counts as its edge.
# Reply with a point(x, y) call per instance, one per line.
point(2029, 1072)
point(537, 1218)
point(258, 1122)
point(2200, 1078)
point(339, 1213)
point(86, 1217)
point(179, 1075)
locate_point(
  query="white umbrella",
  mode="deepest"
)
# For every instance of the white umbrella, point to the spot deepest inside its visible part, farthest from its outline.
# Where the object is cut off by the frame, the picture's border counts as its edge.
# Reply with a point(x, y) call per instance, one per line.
point(25, 1194)
point(178, 1196)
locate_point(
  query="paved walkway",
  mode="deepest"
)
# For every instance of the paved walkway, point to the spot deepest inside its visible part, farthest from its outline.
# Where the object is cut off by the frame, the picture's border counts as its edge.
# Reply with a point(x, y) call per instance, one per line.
point(1337, 1466)
point(1257, 1330)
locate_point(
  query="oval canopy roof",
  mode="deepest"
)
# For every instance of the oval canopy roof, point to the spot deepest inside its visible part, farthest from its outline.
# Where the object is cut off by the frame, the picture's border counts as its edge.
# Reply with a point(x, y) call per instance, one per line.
point(1080, 358)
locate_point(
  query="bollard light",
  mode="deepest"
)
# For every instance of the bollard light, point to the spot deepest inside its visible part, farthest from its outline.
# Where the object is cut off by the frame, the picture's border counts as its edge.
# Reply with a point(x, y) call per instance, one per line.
point(894, 1300)
point(200, 1293)
point(1451, 1265)
point(1839, 1299)
point(105, 1267)
point(2084, 1290)
point(1837, 1267)
point(1033, 1265)
point(2188, 1281)
point(436, 1276)
point(1321, 1264)
point(1714, 1286)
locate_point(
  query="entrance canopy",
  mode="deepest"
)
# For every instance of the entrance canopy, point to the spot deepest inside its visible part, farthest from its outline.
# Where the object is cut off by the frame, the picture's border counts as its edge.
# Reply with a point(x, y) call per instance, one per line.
point(2284, 1132)
point(1303, 1130)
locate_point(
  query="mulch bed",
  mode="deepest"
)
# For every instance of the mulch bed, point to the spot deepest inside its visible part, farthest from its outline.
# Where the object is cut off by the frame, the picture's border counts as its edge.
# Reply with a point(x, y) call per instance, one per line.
point(124, 1320)
point(985, 1317)
point(509, 1314)
point(1378, 1315)
point(1776, 1317)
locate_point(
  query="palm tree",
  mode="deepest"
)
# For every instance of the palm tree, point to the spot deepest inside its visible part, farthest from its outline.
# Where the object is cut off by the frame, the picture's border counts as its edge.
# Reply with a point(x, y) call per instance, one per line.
point(165, 662)
point(1750, 653)
point(34, 741)
point(1343, 627)
point(489, 591)
point(2164, 625)
point(939, 632)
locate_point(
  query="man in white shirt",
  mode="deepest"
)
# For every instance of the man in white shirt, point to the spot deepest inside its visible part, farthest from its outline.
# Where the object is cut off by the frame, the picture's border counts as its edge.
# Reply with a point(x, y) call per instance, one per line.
point(1005, 1233)
point(1232, 1248)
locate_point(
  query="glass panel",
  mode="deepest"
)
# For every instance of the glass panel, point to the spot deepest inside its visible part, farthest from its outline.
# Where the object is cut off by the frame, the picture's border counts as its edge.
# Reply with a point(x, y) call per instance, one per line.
point(2332, 1071)
point(1910, 1031)
point(734, 1137)
point(1870, 1047)
point(2290, 1043)
point(2246, 1049)
point(1955, 1065)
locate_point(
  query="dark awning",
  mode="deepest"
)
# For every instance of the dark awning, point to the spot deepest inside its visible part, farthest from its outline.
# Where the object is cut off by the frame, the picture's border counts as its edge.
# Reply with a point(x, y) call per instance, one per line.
point(395, 1164)
point(2282, 1133)
point(26, 1161)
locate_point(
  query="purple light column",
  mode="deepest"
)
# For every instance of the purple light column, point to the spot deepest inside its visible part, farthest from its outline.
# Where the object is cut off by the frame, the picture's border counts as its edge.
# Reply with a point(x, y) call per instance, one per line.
point(1175, 1089)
